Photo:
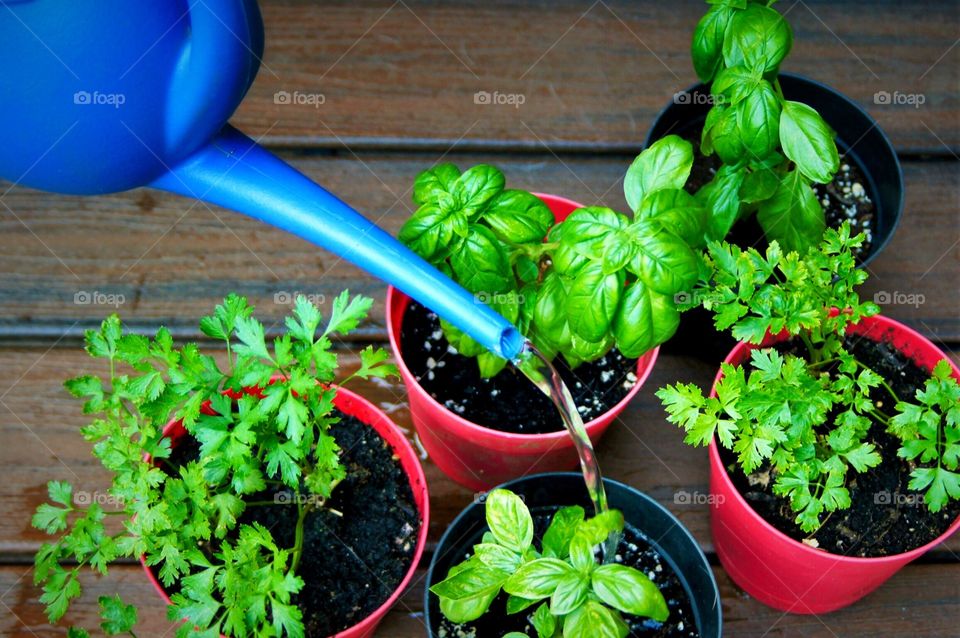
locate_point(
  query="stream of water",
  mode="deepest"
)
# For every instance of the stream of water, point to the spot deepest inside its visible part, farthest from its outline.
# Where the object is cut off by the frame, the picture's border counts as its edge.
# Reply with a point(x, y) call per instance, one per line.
point(541, 372)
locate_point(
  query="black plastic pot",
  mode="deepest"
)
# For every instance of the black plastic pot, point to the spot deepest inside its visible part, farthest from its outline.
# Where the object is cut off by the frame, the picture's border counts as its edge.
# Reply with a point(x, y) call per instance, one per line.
point(859, 137)
point(547, 492)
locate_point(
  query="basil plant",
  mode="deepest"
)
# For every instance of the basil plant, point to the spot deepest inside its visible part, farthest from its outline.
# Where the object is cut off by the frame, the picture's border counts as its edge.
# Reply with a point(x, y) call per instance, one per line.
point(570, 592)
point(597, 280)
point(772, 149)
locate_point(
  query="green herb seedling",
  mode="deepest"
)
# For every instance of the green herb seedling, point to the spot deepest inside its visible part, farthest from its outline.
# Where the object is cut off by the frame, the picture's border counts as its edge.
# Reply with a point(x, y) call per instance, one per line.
point(809, 416)
point(575, 595)
point(233, 577)
point(772, 149)
point(578, 288)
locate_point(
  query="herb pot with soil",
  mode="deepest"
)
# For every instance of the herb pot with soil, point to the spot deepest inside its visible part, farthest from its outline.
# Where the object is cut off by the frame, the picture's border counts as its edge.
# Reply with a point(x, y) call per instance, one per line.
point(261, 499)
point(592, 289)
point(536, 569)
point(834, 435)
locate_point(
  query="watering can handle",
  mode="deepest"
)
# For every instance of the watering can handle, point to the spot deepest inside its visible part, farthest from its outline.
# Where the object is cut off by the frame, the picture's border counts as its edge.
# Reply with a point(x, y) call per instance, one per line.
point(235, 172)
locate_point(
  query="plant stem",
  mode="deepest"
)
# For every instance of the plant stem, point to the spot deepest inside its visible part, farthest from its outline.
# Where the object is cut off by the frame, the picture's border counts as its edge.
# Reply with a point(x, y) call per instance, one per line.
point(298, 539)
point(814, 354)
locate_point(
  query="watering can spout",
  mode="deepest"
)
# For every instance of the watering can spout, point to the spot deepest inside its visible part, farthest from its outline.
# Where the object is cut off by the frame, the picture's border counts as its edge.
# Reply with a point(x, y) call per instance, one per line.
point(235, 172)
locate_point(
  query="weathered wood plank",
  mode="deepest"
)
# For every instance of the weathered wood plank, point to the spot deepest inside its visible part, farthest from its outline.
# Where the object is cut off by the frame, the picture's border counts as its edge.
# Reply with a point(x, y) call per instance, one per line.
point(921, 600)
point(40, 442)
point(591, 75)
point(65, 262)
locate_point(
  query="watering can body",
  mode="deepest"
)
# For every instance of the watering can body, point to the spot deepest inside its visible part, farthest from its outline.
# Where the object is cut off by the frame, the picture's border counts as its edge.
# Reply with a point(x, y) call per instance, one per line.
point(107, 96)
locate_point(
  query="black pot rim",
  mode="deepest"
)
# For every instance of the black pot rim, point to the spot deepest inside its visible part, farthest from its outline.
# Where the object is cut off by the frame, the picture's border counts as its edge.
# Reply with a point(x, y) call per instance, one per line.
point(634, 492)
point(850, 103)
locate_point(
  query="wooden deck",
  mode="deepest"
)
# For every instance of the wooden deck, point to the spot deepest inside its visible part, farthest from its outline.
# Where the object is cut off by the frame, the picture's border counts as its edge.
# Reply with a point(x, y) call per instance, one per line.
point(398, 81)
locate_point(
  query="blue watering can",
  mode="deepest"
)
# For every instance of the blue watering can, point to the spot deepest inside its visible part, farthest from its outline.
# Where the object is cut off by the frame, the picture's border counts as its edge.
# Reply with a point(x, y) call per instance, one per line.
point(105, 96)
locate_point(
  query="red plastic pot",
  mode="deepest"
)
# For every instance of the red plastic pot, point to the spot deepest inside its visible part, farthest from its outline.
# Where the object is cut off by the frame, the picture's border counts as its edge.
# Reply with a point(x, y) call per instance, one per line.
point(784, 573)
point(356, 406)
point(479, 457)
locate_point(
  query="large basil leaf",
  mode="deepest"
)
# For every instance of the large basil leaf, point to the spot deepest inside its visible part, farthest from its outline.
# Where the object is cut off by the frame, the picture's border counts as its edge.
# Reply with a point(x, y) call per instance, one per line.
point(735, 83)
point(666, 164)
point(592, 301)
point(461, 341)
point(478, 186)
point(758, 37)
point(663, 261)
point(544, 622)
point(497, 556)
point(570, 593)
point(537, 579)
point(431, 231)
point(490, 364)
point(580, 350)
point(567, 261)
point(677, 211)
point(644, 320)
point(722, 199)
point(518, 217)
point(758, 117)
point(481, 264)
point(706, 48)
point(758, 185)
point(550, 313)
point(808, 142)
point(630, 591)
point(793, 216)
point(432, 183)
point(509, 521)
point(585, 229)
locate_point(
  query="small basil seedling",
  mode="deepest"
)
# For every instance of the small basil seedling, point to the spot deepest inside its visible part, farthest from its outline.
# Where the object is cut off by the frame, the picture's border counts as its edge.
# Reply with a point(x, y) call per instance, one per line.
point(575, 596)
point(595, 281)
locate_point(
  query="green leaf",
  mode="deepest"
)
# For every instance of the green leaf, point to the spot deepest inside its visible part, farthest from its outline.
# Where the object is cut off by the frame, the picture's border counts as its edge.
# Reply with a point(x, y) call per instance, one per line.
point(118, 618)
point(250, 333)
point(597, 529)
point(432, 183)
point(665, 164)
point(808, 142)
point(497, 556)
point(544, 622)
point(628, 590)
point(758, 37)
point(481, 264)
point(509, 520)
point(570, 593)
point(592, 302)
point(758, 118)
point(537, 579)
point(581, 554)
point(663, 261)
point(644, 319)
point(469, 582)
point(793, 216)
point(678, 212)
point(430, 232)
point(593, 620)
point(518, 217)
point(758, 185)
point(706, 48)
point(347, 313)
point(722, 199)
point(556, 540)
point(941, 485)
point(586, 230)
point(723, 135)
point(478, 186)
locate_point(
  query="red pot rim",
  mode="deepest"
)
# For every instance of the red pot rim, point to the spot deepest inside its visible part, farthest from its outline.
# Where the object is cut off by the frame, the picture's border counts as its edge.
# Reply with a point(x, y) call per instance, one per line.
point(394, 297)
point(742, 348)
point(418, 482)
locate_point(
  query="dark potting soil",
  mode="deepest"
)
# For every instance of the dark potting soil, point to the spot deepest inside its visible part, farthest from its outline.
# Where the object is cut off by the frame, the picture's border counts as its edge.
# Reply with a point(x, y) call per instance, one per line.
point(846, 198)
point(634, 550)
point(885, 516)
point(351, 563)
point(508, 402)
